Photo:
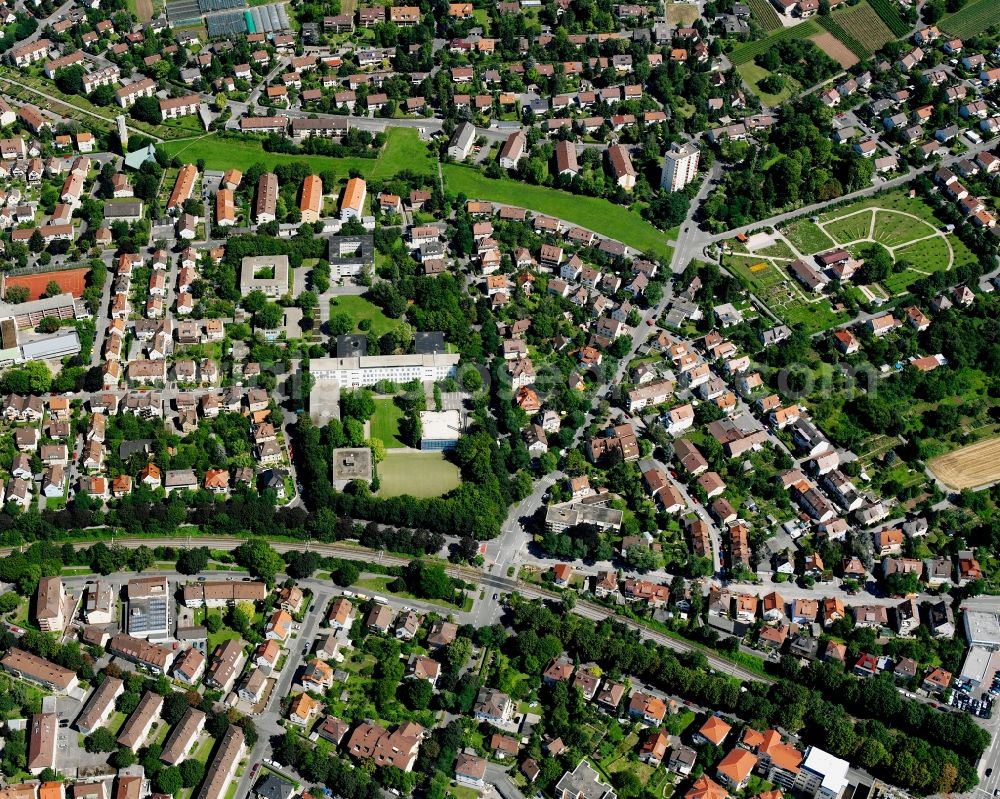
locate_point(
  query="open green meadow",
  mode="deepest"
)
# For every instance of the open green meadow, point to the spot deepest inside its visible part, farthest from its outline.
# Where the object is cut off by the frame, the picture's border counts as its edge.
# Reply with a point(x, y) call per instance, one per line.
point(593, 213)
point(403, 150)
point(424, 474)
point(850, 228)
point(359, 309)
point(753, 74)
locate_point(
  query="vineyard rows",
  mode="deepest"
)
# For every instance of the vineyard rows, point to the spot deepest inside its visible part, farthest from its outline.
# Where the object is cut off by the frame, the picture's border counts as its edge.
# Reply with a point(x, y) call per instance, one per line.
point(765, 14)
point(745, 53)
point(859, 29)
point(977, 17)
point(888, 10)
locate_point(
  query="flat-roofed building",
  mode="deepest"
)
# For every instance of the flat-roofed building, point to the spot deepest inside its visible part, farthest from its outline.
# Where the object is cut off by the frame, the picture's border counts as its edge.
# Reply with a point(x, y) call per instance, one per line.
point(370, 369)
point(266, 273)
point(149, 604)
point(680, 166)
point(100, 705)
point(561, 517)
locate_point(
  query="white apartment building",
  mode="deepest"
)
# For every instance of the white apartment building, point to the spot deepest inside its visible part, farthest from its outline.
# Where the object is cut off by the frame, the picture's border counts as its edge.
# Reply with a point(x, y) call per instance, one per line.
point(680, 166)
point(370, 369)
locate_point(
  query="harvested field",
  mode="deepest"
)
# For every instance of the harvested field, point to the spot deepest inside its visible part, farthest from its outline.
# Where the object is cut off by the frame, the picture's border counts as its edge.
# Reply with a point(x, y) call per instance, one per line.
point(834, 48)
point(144, 10)
point(969, 467)
point(681, 14)
point(72, 280)
point(860, 28)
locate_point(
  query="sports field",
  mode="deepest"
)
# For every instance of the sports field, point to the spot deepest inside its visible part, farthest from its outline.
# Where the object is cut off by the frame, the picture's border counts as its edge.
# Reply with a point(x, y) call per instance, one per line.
point(403, 150)
point(72, 280)
point(423, 474)
point(385, 423)
point(593, 213)
point(969, 467)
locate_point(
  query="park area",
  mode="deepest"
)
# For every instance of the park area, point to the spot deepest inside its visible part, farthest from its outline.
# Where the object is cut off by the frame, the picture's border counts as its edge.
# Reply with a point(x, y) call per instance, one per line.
point(976, 17)
point(362, 311)
point(418, 474)
point(969, 467)
point(904, 225)
point(754, 74)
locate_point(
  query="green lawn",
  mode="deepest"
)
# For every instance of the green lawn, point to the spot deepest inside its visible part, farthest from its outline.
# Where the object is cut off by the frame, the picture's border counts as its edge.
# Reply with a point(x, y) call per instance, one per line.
point(892, 230)
point(359, 309)
point(807, 237)
point(747, 269)
point(753, 75)
point(779, 250)
point(224, 634)
point(403, 150)
point(385, 423)
point(380, 585)
point(850, 228)
point(427, 474)
point(593, 213)
point(815, 316)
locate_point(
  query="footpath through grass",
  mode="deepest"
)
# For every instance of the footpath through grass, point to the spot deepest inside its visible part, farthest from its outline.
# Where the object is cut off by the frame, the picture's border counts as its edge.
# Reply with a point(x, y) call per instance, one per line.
point(593, 213)
point(403, 150)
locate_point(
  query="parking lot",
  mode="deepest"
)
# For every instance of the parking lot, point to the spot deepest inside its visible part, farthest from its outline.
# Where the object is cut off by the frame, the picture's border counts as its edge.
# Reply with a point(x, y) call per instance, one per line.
point(982, 708)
